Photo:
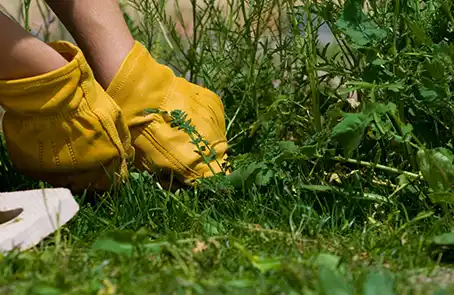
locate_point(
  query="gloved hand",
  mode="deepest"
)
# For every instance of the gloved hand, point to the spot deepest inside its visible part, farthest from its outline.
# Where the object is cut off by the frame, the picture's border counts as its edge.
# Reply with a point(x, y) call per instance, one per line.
point(142, 84)
point(61, 127)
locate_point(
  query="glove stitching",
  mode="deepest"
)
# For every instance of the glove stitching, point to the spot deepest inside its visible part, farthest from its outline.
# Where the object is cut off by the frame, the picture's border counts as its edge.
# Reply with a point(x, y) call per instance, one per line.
point(208, 120)
point(148, 163)
point(29, 119)
point(105, 123)
point(56, 158)
point(206, 92)
point(169, 91)
point(217, 100)
point(71, 151)
point(84, 77)
point(28, 86)
point(218, 118)
point(40, 151)
point(38, 84)
point(126, 76)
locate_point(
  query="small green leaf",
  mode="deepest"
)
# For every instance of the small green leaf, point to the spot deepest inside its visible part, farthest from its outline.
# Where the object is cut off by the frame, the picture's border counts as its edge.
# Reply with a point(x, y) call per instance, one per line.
point(334, 283)
point(246, 175)
point(309, 150)
point(41, 289)
point(239, 283)
point(436, 166)
point(423, 215)
point(112, 246)
point(355, 24)
point(265, 265)
point(135, 175)
point(394, 87)
point(442, 197)
point(407, 129)
point(379, 284)
point(317, 188)
point(264, 177)
point(418, 32)
point(212, 227)
point(288, 147)
point(435, 68)
point(446, 239)
point(375, 197)
point(350, 131)
point(428, 94)
point(441, 291)
point(379, 62)
point(327, 260)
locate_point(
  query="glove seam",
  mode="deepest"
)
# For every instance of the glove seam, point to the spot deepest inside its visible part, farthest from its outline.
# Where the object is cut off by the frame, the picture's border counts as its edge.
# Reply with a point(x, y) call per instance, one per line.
point(107, 128)
point(102, 119)
point(15, 85)
point(71, 151)
point(122, 141)
point(55, 152)
point(125, 77)
point(196, 98)
point(169, 91)
point(27, 118)
point(41, 156)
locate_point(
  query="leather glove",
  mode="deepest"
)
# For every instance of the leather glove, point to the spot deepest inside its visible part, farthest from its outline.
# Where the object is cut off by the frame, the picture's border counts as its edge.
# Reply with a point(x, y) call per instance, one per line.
point(61, 127)
point(141, 84)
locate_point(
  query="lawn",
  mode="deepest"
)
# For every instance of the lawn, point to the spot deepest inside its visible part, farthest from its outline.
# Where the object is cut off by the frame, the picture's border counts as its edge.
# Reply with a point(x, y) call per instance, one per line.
point(342, 155)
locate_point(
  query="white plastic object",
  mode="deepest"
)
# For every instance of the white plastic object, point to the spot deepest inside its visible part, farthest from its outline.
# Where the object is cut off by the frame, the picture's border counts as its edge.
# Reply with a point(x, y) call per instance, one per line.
point(27, 217)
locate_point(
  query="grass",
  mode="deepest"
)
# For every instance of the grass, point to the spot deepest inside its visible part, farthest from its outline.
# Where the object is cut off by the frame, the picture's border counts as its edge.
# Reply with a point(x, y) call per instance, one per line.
point(331, 194)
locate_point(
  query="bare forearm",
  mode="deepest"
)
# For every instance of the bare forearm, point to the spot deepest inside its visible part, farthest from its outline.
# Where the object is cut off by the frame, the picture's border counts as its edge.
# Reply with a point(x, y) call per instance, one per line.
point(99, 29)
point(22, 55)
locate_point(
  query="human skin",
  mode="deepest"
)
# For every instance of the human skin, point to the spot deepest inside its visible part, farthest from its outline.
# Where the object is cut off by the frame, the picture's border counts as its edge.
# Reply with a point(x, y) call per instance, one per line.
point(22, 55)
point(99, 29)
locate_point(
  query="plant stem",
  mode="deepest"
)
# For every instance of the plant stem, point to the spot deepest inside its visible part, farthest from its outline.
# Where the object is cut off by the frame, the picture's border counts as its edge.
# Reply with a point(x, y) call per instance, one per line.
point(26, 14)
point(310, 63)
point(395, 26)
point(379, 166)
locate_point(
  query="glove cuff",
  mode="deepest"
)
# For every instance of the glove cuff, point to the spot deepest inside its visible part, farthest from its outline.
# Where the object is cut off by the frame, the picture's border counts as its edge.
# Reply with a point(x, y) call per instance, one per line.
point(54, 92)
point(130, 87)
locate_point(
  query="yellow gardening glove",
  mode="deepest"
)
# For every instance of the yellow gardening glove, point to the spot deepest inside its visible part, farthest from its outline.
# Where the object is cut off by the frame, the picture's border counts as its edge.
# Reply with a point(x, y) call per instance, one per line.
point(142, 84)
point(61, 127)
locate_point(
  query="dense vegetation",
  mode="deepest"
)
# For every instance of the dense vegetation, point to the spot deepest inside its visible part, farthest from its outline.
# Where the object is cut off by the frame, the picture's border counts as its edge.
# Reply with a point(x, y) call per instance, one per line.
point(342, 157)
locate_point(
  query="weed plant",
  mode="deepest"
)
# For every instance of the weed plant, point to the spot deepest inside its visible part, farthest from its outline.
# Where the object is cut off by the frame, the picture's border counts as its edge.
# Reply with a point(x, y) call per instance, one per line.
point(341, 153)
